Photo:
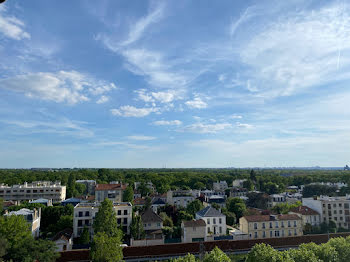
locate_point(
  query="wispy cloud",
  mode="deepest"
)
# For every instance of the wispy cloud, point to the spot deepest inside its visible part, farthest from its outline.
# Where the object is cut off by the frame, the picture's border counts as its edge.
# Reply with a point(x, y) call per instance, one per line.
point(11, 26)
point(141, 137)
point(102, 99)
point(247, 14)
point(196, 103)
point(167, 123)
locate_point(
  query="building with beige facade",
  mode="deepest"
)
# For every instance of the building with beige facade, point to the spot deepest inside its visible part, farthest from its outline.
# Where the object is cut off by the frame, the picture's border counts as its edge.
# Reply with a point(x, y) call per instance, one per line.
point(30, 191)
point(113, 192)
point(335, 209)
point(271, 226)
point(193, 231)
point(84, 215)
point(215, 221)
point(308, 215)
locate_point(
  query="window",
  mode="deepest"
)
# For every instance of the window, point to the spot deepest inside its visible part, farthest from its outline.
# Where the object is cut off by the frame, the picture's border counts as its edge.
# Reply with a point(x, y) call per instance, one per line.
point(270, 233)
point(80, 213)
point(264, 234)
point(340, 204)
point(341, 212)
point(87, 213)
point(341, 218)
point(208, 221)
point(276, 224)
point(80, 223)
point(282, 224)
point(289, 224)
point(289, 232)
point(270, 224)
point(295, 232)
point(208, 230)
point(125, 212)
point(334, 205)
point(277, 233)
point(255, 226)
point(119, 221)
point(335, 212)
point(255, 234)
point(220, 230)
point(86, 222)
point(158, 224)
point(125, 220)
point(119, 212)
point(263, 225)
point(214, 221)
point(346, 205)
point(220, 221)
point(295, 223)
point(335, 218)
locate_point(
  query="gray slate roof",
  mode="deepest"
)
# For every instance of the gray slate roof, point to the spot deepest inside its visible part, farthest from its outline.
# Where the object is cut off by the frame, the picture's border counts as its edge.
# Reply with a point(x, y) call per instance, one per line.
point(150, 217)
point(209, 211)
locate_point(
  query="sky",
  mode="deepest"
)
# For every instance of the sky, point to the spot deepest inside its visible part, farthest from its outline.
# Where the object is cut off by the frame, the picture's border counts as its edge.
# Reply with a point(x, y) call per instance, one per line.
point(129, 84)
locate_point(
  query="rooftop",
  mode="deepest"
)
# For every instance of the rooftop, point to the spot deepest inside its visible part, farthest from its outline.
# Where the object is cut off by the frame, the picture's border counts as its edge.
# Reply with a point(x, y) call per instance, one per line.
point(65, 234)
point(97, 204)
point(103, 187)
point(304, 210)
point(209, 211)
point(150, 216)
point(194, 223)
point(262, 218)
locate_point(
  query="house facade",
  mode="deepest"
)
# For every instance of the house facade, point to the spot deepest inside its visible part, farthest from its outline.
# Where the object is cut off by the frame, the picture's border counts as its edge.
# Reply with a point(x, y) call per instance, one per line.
point(214, 219)
point(193, 231)
point(33, 218)
point(113, 192)
point(271, 226)
point(308, 215)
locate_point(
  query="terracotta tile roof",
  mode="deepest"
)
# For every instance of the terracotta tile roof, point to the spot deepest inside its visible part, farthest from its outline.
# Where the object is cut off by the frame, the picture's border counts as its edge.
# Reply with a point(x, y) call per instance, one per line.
point(139, 201)
point(150, 216)
point(103, 187)
point(304, 210)
point(194, 223)
point(262, 218)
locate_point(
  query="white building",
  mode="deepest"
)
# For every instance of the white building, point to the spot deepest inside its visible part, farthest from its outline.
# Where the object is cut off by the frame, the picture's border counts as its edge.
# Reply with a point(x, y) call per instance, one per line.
point(181, 198)
point(31, 216)
point(113, 192)
point(331, 209)
point(31, 191)
point(276, 199)
point(84, 215)
point(214, 219)
point(220, 186)
point(193, 231)
point(238, 182)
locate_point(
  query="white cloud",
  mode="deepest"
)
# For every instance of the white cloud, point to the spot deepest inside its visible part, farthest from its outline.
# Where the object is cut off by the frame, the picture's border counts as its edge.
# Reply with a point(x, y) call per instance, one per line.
point(102, 99)
point(141, 137)
point(207, 128)
point(167, 123)
point(131, 111)
point(63, 86)
point(235, 116)
point(138, 28)
point(197, 102)
point(162, 97)
point(299, 51)
point(11, 26)
point(247, 126)
point(248, 13)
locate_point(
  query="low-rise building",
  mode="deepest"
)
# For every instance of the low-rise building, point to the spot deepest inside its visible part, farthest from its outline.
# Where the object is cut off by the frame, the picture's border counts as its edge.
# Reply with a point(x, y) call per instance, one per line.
point(238, 182)
point(238, 192)
point(193, 231)
point(64, 240)
point(308, 215)
point(33, 217)
point(220, 186)
point(270, 226)
point(31, 191)
point(220, 200)
point(335, 209)
point(84, 215)
point(276, 199)
point(113, 192)
point(181, 198)
point(214, 219)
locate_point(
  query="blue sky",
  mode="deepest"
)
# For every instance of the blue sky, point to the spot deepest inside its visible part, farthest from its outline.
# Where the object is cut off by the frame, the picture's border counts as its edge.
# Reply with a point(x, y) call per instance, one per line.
point(174, 83)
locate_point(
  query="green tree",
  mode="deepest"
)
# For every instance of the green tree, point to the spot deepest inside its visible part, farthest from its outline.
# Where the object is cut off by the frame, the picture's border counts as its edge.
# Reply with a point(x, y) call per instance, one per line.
point(263, 253)
point(71, 191)
point(167, 221)
point(128, 195)
point(199, 185)
point(1, 205)
point(216, 255)
point(106, 220)
point(106, 248)
point(248, 184)
point(148, 203)
point(187, 258)
point(85, 236)
point(143, 189)
point(236, 205)
point(136, 228)
point(80, 189)
point(342, 246)
point(183, 215)
point(194, 207)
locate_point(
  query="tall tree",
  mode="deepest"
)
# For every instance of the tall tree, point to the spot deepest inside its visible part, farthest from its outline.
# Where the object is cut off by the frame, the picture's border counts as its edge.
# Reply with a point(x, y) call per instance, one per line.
point(236, 205)
point(136, 228)
point(71, 191)
point(85, 236)
point(216, 255)
point(194, 207)
point(128, 195)
point(106, 248)
point(106, 220)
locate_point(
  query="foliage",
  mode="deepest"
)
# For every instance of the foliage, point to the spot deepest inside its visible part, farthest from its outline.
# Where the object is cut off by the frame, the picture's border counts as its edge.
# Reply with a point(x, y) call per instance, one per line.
point(106, 220)
point(136, 228)
point(85, 236)
point(317, 190)
point(284, 208)
point(257, 200)
point(167, 221)
point(248, 184)
point(183, 215)
point(236, 206)
point(230, 217)
point(128, 195)
point(187, 258)
point(20, 244)
point(216, 255)
point(106, 248)
point(194, 207)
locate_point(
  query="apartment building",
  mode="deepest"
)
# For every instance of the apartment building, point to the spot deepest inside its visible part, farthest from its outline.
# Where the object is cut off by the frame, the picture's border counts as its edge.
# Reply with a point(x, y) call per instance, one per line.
point(271, 226)
point(30, 191)
point(33, 218)
point(84, 215)
point(276, 199)
point(193, 231)
point(335, 209)
point(214, 219)
point(113, 192)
